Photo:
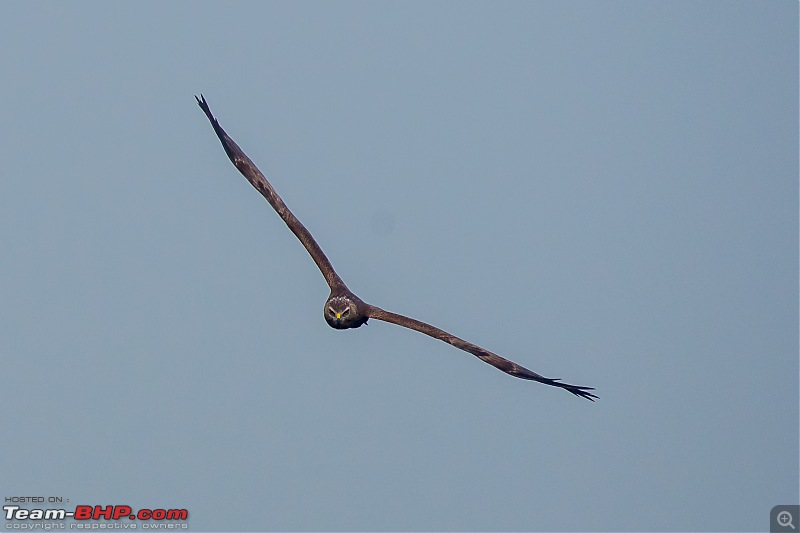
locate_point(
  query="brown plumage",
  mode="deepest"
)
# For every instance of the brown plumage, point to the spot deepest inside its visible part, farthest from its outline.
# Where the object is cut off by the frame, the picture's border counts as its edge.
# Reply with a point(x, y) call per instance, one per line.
point(343, 309)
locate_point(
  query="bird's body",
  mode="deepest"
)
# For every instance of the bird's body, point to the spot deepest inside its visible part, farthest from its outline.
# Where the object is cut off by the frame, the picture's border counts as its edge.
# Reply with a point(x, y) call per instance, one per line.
point(343, 309)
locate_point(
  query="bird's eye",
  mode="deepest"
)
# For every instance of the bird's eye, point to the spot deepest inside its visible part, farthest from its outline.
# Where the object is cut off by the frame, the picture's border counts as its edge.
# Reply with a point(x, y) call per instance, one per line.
point(346, 311)
point(331, 311)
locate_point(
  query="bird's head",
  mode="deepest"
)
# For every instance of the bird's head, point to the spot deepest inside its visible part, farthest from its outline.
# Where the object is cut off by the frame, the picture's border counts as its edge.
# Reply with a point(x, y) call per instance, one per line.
point(342, 312)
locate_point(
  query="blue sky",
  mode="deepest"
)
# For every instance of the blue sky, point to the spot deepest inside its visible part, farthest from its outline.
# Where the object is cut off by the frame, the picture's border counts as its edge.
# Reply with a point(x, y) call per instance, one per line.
point(605, 192)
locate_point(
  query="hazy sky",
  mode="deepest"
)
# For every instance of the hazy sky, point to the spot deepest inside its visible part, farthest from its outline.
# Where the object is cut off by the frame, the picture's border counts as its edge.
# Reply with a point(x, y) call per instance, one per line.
point(604, 192)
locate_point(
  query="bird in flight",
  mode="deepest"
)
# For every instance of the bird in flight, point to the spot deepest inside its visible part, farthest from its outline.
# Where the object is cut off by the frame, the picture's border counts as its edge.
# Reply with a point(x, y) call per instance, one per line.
point(343, 309)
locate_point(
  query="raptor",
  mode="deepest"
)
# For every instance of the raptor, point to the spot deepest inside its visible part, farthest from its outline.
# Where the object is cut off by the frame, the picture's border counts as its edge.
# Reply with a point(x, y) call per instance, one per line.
point(343, 309)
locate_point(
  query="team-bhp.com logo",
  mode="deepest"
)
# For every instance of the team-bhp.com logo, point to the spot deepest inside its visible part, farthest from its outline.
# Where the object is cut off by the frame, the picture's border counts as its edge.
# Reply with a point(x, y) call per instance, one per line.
point(94, 512)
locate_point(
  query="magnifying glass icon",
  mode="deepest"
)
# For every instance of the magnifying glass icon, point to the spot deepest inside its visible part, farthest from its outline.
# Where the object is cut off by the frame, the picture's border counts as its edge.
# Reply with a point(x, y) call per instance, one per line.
point(784, 519)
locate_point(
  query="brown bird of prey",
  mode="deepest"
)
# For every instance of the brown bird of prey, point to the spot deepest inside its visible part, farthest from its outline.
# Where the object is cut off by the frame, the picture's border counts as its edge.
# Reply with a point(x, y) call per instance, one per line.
point(343, 309)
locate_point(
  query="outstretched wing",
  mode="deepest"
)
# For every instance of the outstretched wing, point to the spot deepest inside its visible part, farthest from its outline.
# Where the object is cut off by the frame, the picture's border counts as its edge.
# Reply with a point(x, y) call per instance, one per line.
point(509, 367)
point(257, 180)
